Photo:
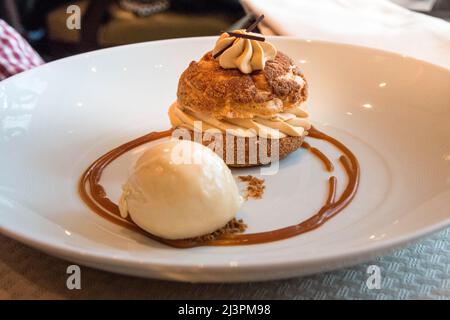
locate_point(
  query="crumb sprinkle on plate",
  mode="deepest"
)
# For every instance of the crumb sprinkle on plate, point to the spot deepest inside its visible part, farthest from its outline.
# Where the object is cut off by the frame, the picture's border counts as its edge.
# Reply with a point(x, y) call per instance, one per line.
point(255, 187)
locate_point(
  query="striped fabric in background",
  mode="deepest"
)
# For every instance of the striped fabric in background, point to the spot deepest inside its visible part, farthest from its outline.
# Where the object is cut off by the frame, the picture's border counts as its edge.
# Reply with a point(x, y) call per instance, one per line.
point(16, 55)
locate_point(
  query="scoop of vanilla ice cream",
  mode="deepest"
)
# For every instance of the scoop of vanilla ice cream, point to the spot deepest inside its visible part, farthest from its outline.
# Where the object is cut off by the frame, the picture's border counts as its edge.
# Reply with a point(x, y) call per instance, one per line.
point(180, 189)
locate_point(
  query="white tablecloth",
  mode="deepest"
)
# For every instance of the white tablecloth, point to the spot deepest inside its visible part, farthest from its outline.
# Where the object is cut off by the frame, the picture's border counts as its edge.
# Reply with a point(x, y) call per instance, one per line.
point(420, 271)
point(373, 23)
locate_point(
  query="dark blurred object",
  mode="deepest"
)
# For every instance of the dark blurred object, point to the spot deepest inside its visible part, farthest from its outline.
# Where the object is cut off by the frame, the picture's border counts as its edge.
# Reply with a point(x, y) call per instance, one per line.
point(435, 8)
point(144, 8)
point(441, 9)
point(27, 15)
point(416, 5)
point(107, 23)
point(10, 13)
point(205, 5)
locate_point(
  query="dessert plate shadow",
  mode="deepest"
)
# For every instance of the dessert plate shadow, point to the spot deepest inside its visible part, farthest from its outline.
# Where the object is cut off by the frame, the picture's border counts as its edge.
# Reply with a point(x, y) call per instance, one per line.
point(392, 111)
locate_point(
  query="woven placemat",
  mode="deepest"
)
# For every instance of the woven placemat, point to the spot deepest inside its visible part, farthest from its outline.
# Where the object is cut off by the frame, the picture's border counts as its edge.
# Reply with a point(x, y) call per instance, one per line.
point(420, 271)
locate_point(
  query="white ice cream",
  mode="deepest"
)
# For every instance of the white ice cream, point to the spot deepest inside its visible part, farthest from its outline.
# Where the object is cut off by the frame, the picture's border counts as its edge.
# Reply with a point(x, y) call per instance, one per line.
point(180, 189)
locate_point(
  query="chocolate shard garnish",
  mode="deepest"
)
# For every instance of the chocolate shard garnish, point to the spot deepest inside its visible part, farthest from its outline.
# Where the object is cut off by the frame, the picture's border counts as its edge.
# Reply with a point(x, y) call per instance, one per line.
point(254, 24)
point(222, 51)
point(246, 36)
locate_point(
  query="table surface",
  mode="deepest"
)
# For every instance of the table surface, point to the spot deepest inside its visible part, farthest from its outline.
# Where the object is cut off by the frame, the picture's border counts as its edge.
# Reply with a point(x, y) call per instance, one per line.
point(419, 271)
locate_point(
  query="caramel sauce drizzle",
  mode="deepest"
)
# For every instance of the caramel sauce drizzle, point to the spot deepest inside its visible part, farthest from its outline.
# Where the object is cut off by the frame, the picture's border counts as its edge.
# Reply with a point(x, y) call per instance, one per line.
point(95, 197)
point(328, 164)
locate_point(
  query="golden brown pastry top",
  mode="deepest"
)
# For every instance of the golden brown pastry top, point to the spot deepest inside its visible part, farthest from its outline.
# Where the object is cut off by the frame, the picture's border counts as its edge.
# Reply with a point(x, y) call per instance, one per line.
point(206, 87)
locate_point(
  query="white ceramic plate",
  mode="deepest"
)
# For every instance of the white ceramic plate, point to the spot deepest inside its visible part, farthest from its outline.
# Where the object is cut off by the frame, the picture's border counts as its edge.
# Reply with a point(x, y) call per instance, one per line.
point(392, 111)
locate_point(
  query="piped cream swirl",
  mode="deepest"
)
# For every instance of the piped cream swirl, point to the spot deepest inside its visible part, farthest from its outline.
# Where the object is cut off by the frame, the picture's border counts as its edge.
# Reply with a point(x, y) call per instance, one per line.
point(244, 54)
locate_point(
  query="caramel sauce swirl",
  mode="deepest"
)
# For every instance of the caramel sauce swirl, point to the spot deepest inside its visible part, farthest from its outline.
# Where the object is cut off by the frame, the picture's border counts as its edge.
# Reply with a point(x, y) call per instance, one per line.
point(95, 197)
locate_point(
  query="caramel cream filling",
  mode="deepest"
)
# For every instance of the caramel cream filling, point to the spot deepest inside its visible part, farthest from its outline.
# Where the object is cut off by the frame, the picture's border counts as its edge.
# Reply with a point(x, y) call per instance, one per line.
point(293, 122)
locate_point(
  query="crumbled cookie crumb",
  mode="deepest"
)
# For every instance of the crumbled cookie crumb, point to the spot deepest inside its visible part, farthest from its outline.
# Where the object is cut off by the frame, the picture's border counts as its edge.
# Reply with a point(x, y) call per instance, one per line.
point(233, 226)
point(255, 187)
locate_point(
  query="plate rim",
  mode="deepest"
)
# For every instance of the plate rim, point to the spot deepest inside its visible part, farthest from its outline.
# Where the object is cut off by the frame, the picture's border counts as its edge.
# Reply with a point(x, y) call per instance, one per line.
point(363, 252)
point(202, 38)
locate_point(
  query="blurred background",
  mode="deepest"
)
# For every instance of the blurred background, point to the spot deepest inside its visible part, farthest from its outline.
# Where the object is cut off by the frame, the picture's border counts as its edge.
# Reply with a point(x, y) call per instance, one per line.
point(109, 23)
point(114, 22)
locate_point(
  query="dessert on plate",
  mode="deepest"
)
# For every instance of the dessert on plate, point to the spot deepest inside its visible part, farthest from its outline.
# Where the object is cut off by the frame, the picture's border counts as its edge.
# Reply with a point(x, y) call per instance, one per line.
point(179, 189)
point(244, 88)
point(245, 101)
